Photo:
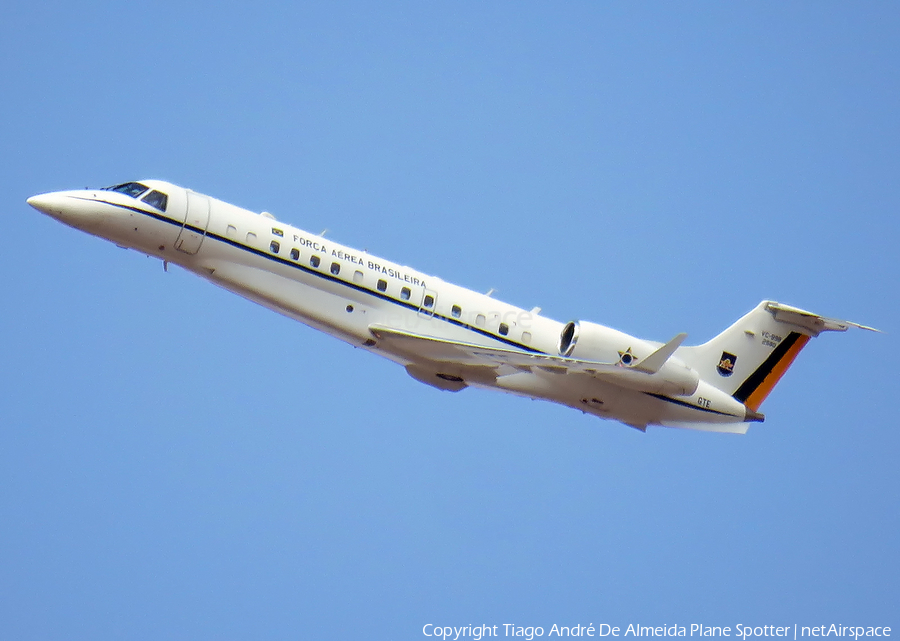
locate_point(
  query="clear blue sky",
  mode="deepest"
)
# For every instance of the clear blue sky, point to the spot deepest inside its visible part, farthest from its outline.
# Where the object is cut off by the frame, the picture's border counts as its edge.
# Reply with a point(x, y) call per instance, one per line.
point(177, 463)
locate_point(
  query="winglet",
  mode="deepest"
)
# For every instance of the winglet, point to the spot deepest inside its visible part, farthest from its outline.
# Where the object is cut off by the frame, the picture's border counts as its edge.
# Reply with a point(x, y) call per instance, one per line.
point(657, 359)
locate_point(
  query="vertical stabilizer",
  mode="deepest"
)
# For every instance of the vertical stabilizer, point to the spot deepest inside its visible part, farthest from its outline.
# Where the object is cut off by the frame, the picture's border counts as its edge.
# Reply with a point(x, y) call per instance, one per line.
point(749, 358)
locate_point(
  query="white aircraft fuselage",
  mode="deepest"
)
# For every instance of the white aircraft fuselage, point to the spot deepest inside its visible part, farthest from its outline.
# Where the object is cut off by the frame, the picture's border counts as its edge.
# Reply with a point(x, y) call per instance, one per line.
point(445, 335)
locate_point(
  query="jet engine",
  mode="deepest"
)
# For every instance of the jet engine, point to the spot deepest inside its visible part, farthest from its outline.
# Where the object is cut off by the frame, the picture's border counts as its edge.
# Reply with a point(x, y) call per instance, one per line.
point(593, 342)
point(627, 361)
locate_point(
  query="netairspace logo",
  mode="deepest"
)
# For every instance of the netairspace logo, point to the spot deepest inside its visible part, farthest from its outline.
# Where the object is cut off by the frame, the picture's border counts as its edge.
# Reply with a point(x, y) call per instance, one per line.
point(741, 631)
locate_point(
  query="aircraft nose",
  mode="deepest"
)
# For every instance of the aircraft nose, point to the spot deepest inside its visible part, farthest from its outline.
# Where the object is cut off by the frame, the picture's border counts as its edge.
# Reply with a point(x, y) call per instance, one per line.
point(74, 208)
point(50, 204)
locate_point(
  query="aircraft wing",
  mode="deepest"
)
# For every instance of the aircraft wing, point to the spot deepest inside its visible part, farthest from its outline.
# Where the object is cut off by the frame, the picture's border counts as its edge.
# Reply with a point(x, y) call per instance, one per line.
point(502, 361)
point(422, 348)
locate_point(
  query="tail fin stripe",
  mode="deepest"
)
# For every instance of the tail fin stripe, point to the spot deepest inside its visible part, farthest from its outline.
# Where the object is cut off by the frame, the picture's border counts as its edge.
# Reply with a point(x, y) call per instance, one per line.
point(756, 388)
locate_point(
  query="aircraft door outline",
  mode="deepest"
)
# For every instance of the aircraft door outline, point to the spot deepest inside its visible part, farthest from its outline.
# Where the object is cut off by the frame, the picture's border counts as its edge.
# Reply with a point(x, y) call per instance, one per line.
point(196, 217)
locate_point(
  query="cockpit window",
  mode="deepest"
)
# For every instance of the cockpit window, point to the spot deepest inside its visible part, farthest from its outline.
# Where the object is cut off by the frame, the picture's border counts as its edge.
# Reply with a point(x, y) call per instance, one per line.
point(130, 189)
point(156, 199)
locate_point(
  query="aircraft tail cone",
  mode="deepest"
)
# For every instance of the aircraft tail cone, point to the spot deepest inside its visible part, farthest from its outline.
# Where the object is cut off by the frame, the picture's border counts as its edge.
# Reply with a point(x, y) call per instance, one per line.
point(754, 417)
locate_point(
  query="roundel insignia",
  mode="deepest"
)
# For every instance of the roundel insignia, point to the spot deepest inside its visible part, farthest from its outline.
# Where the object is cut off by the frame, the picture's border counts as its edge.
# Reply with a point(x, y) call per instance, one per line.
point(726, 364)
point(626, 358)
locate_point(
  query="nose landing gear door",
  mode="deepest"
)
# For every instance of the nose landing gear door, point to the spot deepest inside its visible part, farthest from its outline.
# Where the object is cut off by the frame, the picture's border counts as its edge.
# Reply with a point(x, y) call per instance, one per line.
point(196, 219)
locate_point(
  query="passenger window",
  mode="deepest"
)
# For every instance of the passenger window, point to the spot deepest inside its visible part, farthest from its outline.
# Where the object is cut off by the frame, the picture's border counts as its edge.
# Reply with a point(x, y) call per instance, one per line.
point(335, 268)
point(382, 285)
point(251, 238)
point(314, 261)
point(456, 311)
point(404, 293)
point(274, 246)
point(504, 329)
point(479, 320)
point(295, 254)
point(156, 199)
point(231, 231)
point(428, 302)
point(357, 276)
point(277, 232)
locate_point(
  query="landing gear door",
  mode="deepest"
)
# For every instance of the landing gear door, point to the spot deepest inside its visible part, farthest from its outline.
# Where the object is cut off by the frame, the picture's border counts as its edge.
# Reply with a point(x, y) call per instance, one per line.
point(429, 300)
point(196, 219)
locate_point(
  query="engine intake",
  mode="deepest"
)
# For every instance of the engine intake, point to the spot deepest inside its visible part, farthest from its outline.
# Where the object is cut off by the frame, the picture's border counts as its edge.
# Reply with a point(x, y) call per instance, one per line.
point(567, 338)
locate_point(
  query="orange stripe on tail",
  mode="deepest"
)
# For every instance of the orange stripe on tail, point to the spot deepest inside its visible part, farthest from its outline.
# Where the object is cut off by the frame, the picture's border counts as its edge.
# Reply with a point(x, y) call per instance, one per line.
point(757, 387)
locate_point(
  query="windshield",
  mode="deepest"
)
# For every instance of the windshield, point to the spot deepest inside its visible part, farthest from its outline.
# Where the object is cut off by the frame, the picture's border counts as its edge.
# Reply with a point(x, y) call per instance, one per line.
point(129, 189)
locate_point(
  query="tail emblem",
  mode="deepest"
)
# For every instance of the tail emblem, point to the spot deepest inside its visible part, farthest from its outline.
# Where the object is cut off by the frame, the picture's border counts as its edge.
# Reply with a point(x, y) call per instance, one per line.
point(726, 364)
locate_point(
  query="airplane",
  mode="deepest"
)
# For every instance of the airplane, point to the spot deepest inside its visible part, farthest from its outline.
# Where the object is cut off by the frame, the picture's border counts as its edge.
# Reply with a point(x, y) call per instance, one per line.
point(445, 335)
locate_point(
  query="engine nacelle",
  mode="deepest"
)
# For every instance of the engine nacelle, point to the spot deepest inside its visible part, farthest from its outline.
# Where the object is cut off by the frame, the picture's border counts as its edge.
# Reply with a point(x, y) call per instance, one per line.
point(592, 342)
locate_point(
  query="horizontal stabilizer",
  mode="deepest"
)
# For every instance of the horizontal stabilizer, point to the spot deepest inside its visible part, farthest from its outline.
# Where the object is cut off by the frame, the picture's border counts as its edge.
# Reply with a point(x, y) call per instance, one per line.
point(657, 359)
point(813, 322)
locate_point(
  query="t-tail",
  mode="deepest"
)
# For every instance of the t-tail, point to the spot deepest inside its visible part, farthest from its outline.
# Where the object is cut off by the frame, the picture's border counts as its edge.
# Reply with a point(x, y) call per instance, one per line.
point(749, 358)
